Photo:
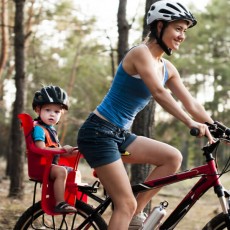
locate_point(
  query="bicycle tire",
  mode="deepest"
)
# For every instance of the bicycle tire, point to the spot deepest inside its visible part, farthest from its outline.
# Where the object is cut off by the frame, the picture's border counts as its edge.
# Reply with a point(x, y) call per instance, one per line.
point(43, 221)
point(217, 223)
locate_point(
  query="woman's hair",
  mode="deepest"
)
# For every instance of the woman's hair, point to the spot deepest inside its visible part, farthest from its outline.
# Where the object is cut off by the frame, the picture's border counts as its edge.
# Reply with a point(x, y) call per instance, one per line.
point(152, 34)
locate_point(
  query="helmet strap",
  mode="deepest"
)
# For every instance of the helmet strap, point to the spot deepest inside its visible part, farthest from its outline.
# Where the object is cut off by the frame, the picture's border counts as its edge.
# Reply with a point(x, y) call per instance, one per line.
point(167, 50)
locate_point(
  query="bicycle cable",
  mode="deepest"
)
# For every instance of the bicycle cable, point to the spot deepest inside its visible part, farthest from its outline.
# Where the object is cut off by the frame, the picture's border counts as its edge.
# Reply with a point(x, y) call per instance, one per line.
point(226, 166)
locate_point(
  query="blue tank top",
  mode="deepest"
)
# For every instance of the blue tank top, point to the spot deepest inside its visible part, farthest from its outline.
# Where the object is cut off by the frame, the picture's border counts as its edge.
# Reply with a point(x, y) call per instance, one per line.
point(127, 96)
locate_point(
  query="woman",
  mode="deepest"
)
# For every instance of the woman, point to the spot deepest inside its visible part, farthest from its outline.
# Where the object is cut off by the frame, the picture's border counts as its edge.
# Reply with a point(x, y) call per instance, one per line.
point(142, 73)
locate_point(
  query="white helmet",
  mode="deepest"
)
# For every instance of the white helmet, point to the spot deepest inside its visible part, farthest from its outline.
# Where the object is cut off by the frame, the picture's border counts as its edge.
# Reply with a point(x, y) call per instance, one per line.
point(168, 10)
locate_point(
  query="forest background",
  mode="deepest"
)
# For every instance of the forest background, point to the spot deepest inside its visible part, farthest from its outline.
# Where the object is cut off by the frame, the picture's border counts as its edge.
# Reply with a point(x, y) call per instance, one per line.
point(63, 45)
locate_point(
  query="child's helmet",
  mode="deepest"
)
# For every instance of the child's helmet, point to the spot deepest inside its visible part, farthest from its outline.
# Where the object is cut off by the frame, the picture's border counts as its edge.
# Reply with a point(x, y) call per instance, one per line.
point(167, 10)
point(51, 94)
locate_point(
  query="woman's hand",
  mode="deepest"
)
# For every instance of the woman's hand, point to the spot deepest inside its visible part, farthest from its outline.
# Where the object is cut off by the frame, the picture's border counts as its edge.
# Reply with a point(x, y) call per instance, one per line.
point(204, 131)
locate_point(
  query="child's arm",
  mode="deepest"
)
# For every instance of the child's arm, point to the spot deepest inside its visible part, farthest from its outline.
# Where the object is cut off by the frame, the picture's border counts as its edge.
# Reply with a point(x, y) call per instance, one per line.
point(39, 137)
point(69, 149)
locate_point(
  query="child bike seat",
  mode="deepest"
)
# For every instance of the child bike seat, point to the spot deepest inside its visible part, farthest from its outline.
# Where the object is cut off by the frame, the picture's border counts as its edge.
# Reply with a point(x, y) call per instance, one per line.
point(39, 162)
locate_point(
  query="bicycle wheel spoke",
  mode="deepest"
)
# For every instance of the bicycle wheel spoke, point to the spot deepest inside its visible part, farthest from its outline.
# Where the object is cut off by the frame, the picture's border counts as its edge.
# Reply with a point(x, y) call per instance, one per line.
point(35, 218)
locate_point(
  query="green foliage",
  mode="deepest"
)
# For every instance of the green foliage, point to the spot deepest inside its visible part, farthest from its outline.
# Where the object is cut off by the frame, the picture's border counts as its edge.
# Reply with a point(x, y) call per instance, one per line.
point(64, 51)
point(53, 59)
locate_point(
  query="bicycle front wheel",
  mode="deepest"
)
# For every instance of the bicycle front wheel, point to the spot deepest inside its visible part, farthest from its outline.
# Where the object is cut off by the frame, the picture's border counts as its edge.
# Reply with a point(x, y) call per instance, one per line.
point(35, 218)
point(219, 222)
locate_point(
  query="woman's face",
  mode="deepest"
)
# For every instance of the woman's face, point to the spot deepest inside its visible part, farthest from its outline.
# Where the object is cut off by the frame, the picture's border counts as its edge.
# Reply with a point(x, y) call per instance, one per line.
point(174, 34)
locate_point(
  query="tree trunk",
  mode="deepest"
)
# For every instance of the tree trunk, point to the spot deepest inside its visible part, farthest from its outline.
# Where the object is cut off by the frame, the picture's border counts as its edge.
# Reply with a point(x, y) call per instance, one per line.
point(123, 30)
point(143, 125)
point(17, 153)
point(4, 43)
point(185, 154)
point(123, 34)
point(73, 75)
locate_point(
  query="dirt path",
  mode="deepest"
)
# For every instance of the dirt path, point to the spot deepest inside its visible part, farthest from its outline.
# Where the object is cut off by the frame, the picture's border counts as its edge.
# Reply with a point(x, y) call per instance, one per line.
point(204, 210)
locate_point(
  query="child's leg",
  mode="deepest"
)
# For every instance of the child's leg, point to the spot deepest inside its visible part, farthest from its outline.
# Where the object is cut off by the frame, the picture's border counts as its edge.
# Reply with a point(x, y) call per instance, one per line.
point(59, 174)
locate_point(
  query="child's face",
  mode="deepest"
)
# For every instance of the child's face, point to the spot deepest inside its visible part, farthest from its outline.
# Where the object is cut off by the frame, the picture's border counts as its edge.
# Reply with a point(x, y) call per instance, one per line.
point(50, 114)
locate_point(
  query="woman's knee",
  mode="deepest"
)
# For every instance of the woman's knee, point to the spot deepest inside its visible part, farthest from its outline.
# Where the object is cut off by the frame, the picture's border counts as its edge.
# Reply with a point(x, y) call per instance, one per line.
point(133, 205)
point(127, 206)
point(176, 159)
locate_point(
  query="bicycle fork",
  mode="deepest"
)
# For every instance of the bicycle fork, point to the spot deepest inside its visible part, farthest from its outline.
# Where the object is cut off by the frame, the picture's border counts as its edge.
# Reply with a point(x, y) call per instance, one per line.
point(224, 199)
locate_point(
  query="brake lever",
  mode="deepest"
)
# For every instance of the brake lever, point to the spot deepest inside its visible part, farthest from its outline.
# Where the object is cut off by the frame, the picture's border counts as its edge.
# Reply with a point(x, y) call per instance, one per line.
point(219, 130)
point(213, 129)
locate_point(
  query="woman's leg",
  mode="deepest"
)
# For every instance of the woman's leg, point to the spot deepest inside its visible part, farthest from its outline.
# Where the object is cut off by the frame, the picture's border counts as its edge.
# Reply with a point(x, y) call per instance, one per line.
point(166, 158)
point(116, 182)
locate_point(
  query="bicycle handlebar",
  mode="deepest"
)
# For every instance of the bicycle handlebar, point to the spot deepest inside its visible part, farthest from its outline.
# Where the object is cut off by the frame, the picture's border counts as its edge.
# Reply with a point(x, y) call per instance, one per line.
point(225, 129)
point(194, 132)
point(217, 129)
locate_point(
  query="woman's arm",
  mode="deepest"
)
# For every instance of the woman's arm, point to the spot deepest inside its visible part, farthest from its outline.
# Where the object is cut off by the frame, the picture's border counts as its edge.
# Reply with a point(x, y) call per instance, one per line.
point(140, 61)
point(194, 108)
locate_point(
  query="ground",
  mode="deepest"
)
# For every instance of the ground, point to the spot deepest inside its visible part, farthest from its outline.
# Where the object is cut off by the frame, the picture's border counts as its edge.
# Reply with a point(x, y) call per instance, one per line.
point(207, 207)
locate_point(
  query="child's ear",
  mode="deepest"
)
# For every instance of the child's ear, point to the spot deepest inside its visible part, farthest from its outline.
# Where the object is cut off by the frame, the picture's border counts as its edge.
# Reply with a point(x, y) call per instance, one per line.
point(37, 110)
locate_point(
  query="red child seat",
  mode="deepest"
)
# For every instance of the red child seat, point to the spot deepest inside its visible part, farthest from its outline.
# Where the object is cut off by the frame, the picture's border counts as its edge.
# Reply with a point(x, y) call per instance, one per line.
point(39, 163)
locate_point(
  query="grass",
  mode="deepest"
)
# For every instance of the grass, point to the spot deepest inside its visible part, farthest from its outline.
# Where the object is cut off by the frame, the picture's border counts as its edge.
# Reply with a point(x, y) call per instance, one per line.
point(207, 207)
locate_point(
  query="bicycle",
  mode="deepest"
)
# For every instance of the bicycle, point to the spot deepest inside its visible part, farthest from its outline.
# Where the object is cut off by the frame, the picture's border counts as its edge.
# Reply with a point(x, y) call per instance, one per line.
point(89, 217)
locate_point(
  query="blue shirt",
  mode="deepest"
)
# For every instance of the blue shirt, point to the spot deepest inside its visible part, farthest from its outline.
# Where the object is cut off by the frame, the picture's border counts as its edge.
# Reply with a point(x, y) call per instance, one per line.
point(39, 134)
point(127, 96)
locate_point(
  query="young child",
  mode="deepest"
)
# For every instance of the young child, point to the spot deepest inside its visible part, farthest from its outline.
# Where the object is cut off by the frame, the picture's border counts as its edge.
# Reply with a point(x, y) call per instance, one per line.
point(49, 103)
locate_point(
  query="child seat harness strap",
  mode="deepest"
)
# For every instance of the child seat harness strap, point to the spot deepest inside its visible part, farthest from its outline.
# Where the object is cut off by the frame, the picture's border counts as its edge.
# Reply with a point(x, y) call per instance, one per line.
point(51, 139)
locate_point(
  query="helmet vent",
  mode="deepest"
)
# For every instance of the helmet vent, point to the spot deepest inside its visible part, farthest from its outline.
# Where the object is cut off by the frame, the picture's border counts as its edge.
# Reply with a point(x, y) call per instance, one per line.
point(182, 7)
point(152, 8)
point(173, 7)
point(166, 13)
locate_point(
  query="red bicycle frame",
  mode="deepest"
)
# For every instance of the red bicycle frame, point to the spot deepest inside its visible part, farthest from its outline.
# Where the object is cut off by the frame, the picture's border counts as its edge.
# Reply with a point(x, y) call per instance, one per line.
point(209, 178)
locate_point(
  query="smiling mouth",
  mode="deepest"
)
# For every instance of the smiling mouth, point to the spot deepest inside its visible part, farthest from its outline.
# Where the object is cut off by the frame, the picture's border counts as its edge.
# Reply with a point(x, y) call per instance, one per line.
point(177, 43)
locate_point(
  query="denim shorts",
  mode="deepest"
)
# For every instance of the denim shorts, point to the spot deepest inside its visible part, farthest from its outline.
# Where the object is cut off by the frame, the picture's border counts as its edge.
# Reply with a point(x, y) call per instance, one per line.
point(102, 142)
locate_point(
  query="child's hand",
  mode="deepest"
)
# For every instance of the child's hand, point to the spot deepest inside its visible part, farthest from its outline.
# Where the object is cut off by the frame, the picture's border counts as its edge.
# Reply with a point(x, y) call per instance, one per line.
point(75, 152)
point(69, 149)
